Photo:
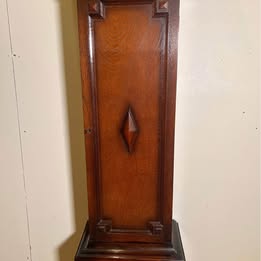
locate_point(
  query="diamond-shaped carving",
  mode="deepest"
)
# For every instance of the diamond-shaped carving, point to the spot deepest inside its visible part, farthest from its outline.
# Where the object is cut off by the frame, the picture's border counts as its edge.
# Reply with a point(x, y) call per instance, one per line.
point(129, 130)
point(163, 4)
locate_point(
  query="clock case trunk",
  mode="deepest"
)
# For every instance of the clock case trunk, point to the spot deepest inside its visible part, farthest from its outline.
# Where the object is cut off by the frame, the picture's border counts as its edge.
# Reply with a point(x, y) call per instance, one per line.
point(128, 54)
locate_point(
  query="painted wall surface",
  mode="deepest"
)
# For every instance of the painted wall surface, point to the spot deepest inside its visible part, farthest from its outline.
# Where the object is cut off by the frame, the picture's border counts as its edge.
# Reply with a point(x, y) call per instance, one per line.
point(43, 187)
point(217, 137)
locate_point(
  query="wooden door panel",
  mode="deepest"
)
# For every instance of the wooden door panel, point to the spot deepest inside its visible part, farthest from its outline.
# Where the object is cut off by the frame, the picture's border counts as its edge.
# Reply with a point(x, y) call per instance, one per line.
point(128, 68)
point(128, 52)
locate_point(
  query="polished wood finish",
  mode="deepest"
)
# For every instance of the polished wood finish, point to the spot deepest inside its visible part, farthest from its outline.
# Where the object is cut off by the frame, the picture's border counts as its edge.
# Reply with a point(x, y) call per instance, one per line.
point(128, 54)
point(93, 250)
point(129, 130)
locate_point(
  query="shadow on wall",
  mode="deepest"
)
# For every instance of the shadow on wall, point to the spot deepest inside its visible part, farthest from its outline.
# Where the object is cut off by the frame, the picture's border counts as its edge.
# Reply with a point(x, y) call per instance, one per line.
point(69, 34)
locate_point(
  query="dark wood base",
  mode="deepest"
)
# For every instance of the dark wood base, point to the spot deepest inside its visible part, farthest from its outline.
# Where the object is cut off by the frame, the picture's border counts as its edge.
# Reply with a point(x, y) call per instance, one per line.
point(89, 250)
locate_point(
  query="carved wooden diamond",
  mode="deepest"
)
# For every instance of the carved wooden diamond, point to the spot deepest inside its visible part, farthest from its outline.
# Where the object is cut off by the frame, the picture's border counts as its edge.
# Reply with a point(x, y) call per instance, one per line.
point(129, 130)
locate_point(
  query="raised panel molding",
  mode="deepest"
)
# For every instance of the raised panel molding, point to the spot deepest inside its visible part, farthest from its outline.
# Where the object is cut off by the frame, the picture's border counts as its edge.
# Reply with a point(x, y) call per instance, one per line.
point(96, 8)
point(129, 128)
point(105, 226)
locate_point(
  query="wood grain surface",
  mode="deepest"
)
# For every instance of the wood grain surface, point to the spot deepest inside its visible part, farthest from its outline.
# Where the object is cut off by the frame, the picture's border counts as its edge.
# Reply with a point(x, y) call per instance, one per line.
point(128, 64)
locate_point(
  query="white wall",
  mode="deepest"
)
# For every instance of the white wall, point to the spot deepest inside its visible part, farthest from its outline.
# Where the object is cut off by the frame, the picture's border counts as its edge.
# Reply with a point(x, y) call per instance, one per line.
point(217, 135)
point(13, 220)
point(46, 71)
point(42, 167)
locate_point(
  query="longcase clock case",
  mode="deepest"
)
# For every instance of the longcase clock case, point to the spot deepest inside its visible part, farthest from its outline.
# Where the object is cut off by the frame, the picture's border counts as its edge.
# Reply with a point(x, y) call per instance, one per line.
point(128, 52)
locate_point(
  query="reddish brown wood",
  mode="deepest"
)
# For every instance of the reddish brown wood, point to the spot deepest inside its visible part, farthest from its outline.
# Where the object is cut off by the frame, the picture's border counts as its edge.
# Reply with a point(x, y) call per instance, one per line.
point(129, 130)
point(128, 63)
point(95, 250)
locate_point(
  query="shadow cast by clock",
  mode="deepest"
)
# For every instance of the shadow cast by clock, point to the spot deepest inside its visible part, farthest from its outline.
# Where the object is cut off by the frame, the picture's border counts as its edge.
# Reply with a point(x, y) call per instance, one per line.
point(69, 39)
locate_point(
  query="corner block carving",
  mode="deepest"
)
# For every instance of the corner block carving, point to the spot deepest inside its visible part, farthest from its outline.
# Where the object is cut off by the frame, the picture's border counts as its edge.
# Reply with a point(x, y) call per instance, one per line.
point(96, 9)
point(129, 130)
point(155, 227)
point(104, 226)
point(163, 4)
point(161, 7)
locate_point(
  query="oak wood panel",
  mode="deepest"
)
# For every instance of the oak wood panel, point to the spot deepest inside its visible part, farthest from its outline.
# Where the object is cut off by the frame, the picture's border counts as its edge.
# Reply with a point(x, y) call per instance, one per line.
point(127, 51)
point(128, 60)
